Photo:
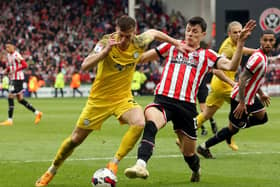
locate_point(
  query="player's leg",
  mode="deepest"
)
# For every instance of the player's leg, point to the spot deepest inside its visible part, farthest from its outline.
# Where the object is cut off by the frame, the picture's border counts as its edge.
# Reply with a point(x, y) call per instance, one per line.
point(66, 149)
point(258, 114)
point(154, 121)
point(136, 120)
point(26, 104)
point(9, 121)
point(223, 134)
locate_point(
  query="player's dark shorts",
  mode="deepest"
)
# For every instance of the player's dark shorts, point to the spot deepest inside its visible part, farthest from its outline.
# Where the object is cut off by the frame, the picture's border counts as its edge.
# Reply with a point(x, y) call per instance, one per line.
point(182, 114)
point(242, 122)
point(15, 86)
point(202, 93)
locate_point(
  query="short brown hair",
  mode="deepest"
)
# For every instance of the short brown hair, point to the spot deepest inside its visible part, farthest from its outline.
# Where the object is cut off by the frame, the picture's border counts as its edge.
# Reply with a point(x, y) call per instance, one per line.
point(125, 23)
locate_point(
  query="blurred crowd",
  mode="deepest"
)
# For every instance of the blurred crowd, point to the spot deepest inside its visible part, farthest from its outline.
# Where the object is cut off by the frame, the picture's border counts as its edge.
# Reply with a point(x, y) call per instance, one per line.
point(54, 35)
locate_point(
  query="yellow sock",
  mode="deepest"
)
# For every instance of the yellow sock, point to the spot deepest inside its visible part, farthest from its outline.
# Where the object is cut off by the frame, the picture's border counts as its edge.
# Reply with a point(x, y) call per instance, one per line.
point(200, 120)
point(65, 150)
point(128, 141)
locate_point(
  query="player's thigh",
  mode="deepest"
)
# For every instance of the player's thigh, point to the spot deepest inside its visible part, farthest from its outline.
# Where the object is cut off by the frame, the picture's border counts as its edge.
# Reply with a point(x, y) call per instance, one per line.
point(214, 99)
point(129, 112)
point(155, 114)
point(93, 115)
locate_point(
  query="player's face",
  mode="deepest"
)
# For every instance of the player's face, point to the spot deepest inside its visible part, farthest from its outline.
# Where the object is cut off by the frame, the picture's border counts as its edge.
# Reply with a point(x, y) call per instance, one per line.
point(125, 37)
point(9, 48)
point(267, 42)
point(234, 33)
point(193, 35)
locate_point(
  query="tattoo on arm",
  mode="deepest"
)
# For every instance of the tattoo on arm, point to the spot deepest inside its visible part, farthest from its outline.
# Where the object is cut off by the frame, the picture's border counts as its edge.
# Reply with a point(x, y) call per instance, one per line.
point(244, 77)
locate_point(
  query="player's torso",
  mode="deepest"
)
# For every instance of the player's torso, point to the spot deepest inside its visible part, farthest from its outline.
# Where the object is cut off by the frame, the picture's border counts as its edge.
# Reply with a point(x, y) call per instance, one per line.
point(227, 50)
point(13, 62)
point(183, 73)
point(115, 72)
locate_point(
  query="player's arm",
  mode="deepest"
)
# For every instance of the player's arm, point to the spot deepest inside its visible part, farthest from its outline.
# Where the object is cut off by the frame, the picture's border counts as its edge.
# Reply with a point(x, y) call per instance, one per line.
point(226, 64)
point(148, 56)
point(100, 51)
point(221, 75)
point(264, 97)
point(248, 51)
point(241, 107)
point(23, 63)
point(154, 34)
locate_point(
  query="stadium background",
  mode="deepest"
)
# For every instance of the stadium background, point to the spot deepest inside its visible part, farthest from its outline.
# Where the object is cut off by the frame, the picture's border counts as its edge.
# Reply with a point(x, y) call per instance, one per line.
point(59, 34)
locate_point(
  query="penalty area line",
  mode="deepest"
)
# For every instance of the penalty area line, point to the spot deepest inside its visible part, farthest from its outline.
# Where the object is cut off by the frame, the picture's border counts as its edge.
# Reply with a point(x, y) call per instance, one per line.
point(134, 157)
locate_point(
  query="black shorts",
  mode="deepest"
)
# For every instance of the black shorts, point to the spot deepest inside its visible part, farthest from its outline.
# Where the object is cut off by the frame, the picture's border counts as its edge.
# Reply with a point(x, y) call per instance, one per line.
point(182, 114)
point(15, 86)
point(241, 123)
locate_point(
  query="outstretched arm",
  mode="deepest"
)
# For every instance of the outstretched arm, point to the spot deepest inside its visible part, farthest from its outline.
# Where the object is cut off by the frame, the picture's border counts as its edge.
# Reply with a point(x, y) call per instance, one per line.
point(221, 75)
point(161, 36)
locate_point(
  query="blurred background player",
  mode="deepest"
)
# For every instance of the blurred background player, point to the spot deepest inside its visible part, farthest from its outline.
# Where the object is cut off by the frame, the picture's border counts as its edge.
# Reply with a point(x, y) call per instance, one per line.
point(201, 96)
point(223, 81)
point(33, 85)
point(15, 66)
point(76, 83)
point(247, 108)
point(116, 55)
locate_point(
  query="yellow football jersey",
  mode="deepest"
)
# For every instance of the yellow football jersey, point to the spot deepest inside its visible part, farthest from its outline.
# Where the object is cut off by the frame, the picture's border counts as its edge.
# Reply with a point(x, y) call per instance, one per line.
point(115, 71)
point(227, 49)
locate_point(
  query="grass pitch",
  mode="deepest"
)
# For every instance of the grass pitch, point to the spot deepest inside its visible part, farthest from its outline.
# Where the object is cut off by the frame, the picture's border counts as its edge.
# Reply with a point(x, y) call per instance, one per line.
point(26, 150)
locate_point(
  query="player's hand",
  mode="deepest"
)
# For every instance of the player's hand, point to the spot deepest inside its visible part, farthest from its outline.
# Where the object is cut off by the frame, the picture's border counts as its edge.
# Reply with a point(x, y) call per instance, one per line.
point(182, 47)
point(111, 42)
point(239, 110)
point(265, 99)
point(247, 30)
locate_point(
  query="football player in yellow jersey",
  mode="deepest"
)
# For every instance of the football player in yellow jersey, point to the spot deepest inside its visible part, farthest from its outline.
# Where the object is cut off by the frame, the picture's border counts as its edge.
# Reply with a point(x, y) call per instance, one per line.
point(223, 81)
point(116, 56)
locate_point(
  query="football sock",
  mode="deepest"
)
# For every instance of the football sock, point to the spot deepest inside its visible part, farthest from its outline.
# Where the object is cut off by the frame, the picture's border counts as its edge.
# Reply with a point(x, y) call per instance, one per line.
point(27, 105)
point(11, 108)
point(65, 150)
point(146, 146)
point(129, 140)
point(193, 162)
point(200, 120)
point(219, 137)
point(253, 121)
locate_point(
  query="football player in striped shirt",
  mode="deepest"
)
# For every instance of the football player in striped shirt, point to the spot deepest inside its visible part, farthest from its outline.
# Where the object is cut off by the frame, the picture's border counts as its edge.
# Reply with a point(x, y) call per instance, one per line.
point(15, 70)
point(175, 95)
point(247, 109)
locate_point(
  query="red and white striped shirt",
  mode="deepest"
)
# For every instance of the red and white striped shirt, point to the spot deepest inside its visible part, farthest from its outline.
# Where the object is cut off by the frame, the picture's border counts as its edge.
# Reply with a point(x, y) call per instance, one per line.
point(16, 64)
point(257, 65)
point(183, 73)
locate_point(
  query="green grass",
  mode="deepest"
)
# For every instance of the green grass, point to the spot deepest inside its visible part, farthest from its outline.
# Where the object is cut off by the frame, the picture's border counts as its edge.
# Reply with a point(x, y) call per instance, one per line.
point(26, 151)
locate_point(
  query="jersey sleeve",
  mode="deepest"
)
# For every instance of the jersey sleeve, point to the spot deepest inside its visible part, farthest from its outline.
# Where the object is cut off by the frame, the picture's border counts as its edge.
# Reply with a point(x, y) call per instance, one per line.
point(100, 44)
point(18, 57)
point(254, 63)
point(163, 49)
point(212, 57)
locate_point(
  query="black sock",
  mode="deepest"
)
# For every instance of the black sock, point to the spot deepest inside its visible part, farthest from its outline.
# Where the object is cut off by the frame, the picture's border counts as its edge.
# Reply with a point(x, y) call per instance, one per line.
point(11, 108)
point(219, 137)
point(193, 162)
point(27, 105)
point(146, 146)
